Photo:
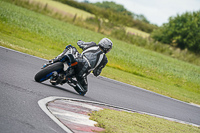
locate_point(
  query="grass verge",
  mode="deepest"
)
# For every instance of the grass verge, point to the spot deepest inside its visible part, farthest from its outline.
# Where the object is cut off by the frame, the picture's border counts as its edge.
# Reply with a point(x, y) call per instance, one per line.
point(123, 122)
point(65, 9)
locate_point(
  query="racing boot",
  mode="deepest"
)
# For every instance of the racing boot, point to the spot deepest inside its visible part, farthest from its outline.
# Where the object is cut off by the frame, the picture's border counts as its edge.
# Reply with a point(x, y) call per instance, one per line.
point(80, 89)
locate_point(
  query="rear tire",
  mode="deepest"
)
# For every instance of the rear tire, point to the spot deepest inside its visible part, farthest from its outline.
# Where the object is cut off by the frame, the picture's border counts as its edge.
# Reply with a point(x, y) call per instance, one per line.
point(46, 73)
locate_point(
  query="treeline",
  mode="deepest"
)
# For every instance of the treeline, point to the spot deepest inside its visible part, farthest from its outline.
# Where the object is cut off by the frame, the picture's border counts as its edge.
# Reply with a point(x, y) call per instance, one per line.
point(182, 31)
point(115, 18)
point(112, 6)
point(120, 9)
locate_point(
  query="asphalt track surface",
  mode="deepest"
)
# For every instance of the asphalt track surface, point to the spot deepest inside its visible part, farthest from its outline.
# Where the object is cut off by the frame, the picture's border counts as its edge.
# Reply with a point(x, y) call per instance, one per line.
point(19, 94)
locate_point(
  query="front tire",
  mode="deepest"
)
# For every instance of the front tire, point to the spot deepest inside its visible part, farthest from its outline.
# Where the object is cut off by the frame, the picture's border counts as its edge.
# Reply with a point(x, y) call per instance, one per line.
point(47, 72)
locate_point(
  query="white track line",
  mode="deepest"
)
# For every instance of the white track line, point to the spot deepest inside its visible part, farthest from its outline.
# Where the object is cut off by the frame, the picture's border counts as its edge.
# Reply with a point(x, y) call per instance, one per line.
point(42, 103)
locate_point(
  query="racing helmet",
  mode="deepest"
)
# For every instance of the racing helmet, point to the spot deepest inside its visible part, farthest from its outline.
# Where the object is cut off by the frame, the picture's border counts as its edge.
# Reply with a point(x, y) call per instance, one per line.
point(105, 45)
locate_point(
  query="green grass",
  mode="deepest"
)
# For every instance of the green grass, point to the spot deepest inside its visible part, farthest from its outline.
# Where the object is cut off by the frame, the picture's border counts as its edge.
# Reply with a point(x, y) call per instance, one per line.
point(65, 9)
point(137, 32)
point(43, 36)
point(123, 122)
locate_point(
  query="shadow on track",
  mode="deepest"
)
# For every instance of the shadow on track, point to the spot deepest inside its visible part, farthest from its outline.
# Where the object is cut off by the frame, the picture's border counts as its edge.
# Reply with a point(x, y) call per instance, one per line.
point(60, 88)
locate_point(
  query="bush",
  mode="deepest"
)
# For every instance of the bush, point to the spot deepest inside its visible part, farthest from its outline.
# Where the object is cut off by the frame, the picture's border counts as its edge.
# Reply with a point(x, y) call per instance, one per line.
point(182, 31)
point(114, 17)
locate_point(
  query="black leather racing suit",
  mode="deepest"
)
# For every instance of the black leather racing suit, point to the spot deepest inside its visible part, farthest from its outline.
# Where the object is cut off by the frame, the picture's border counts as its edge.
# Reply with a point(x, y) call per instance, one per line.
point(91, 59)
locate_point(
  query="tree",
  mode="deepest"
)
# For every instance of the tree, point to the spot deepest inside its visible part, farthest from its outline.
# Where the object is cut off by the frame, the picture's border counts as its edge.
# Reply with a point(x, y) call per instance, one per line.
point(182, 31)
point(113, 6)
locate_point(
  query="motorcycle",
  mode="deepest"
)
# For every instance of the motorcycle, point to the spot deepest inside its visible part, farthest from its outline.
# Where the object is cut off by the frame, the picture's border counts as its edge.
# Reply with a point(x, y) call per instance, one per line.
point(59, 73)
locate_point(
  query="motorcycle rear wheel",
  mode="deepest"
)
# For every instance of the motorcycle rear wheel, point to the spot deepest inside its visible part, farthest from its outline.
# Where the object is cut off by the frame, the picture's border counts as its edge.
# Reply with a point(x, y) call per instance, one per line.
point(47, 72)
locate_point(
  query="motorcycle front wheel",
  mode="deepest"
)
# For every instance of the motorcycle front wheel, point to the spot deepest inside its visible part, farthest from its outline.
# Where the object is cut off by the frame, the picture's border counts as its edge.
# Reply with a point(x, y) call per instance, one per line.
point(47, 72)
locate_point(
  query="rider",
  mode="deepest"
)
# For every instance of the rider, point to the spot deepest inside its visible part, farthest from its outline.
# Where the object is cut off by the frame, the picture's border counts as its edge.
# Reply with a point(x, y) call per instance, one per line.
point(92, 58)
